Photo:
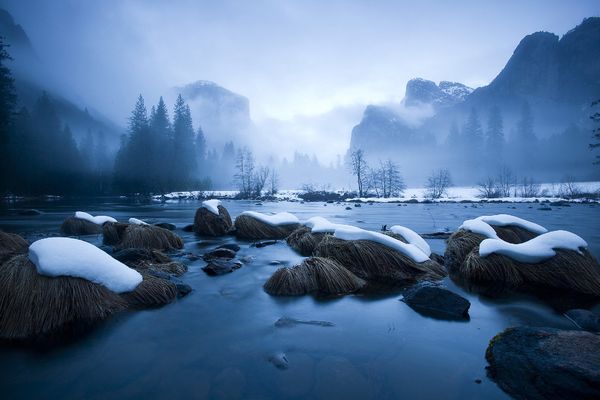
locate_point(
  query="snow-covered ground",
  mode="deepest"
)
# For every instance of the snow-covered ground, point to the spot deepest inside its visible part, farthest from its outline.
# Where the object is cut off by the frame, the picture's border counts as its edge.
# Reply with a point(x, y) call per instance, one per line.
point(549, 192)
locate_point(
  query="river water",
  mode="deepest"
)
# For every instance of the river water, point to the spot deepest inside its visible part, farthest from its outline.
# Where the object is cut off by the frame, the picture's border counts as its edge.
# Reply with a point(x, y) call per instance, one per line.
point(217, 341)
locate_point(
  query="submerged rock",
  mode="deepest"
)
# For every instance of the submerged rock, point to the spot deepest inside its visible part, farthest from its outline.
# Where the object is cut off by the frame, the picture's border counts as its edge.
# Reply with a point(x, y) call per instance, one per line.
point(188, 228)
point(230, 246)
point(30, 212)
point(584, 319)
point(286, 322)
point(133, 256)
point(221, 266)
point(279, 360)
point(437, 302)
point(264, 243)
point(219, 253)
point(544, 363)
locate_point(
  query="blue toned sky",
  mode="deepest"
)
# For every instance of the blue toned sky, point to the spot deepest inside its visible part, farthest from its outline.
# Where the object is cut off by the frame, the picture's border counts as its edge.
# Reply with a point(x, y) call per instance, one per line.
point(290, 58)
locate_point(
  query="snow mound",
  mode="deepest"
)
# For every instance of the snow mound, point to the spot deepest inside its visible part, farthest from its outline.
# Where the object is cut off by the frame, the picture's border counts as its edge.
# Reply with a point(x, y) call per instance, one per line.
point(136, 221)
point(409, 250)
point(282, 218)
point(322, 225)
point(535, 250)
point(507, 219)
point(72, 257)
point(98, 220)
point(412, 237)
point(480, 227)
point(212, 205)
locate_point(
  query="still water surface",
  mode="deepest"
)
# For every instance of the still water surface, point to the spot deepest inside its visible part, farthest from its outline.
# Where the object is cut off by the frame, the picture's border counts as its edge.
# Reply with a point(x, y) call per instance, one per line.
point(217, 341)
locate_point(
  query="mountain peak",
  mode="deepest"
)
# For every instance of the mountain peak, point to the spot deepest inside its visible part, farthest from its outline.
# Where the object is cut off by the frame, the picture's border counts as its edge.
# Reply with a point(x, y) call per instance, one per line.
point(423, 91)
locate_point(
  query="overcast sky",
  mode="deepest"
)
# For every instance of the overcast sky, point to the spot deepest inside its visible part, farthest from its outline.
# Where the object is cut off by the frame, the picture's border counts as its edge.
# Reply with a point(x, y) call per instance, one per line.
point(290, 58)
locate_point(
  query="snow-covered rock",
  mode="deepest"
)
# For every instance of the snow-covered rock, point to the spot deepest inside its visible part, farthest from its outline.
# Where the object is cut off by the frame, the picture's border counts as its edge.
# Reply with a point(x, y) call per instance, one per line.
point(535, 250)
point(323, 225)
point(98, 220)
point(72, 257)
point(507, 219)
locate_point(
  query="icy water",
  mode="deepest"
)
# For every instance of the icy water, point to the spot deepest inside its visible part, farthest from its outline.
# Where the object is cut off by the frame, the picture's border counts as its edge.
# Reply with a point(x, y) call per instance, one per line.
point(217, 341)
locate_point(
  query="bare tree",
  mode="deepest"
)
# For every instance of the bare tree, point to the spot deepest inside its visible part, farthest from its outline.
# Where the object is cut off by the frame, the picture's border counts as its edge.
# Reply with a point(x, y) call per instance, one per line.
point(244, 165)
point(505, 182)
point(259, 179)
point(529, 188)
point(273, 182)
point(438, 184)
point(569, 188)
point(488, 188)
point(387, 180)
point(358, 165)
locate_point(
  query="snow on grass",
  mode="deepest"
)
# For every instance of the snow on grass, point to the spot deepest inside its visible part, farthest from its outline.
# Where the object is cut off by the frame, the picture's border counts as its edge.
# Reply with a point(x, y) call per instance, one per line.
point(535, 250)
point(410, 250)
point(323, 225)
point(212, 205)
point(412, 237)
point(98, 220)
point(136, 221)
point(72, 257)
point(479, 227)
point(282, 218)
point(507, 219)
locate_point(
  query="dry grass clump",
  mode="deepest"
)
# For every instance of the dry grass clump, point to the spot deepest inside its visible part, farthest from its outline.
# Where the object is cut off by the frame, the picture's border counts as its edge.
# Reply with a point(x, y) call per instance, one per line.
point(462, 242)
point(567, 270)
point(209, 224)
point(152, 292)
point(313, 275)
point(124, 236)
point(10, 245)
point(76, 227)
point(372, 261)
point(304, 241)
point(251, 228)
point(171, 268)
point(34, 305)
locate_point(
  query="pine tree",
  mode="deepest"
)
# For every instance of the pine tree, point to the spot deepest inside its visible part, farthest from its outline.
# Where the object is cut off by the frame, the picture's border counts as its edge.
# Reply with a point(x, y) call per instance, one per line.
point(473, 135)
point(595, 117)
point(8, 101)
point(184, 162)
point(526, 140)
point(495, 138)
point(200, 151)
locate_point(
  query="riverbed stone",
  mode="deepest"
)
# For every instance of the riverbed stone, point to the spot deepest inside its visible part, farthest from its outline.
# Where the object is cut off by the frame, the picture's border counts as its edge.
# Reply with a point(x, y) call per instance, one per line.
point(544, 363)
point(437, 302)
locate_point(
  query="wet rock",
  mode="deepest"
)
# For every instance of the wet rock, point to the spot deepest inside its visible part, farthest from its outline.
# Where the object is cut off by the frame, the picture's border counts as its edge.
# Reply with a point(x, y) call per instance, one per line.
point(357, 205)
point(166, 225)
point(230, 246)
point(219, 253)
point(275, 262)
point(544, 363)
point(584, 319)
point(188, 228)
point(221, 266)
point(437, 302)
point(183, 289)
point(264, 243)
point(348, 208)
point(286, 322)
point(30, 212)
point(545, 208)
point(279, 360)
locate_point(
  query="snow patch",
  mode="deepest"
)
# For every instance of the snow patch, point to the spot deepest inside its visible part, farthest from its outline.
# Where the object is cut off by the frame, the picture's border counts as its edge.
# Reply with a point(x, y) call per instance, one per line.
point(73, 257)
point(282, 218)
point(535, 250)
point(98, 220)
point(410, 250)
point(412, 237)
point(479, 227)
point(322, 225)
point(136, 221)
point(212, 205)
point(507, 219)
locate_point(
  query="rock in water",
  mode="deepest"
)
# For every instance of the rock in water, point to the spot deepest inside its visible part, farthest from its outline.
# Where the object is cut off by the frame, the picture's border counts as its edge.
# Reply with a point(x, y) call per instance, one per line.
point(544, 363)
point(220, 266)
point(230, 246)
point(437, 302)
point(219, 253)
point(279, 360)
point(584, 319)
point(188, 228)
point(285, 322)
